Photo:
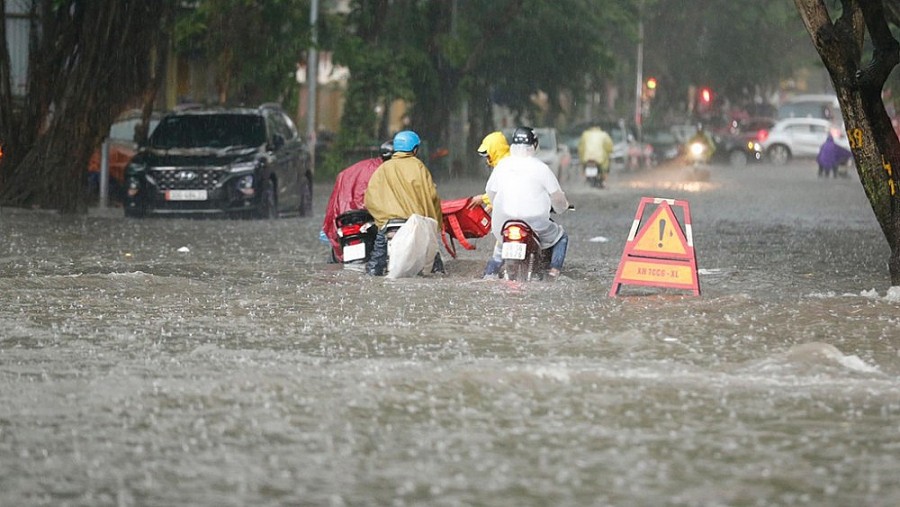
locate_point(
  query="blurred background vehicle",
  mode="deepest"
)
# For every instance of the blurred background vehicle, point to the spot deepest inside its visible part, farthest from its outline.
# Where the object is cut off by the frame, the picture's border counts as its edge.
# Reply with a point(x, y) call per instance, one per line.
point(742, 142)
point(799, 137)
point(122, 147)
point(822, 106)
point(550, 150)
point(664, 143)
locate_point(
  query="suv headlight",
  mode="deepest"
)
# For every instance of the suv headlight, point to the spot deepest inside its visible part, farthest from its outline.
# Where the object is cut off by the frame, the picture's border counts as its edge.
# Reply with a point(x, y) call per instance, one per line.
point(245, 185)
point(242, 167)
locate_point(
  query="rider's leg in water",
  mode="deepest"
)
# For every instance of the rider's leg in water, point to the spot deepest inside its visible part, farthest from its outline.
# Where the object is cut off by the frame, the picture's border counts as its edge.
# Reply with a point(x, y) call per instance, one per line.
point(378, 258)
point(494, 263)
point(558, 254)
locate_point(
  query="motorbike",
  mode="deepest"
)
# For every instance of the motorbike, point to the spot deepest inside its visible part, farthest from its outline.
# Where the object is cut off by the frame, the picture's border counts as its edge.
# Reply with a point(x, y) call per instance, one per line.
point(390, 230)
point(356, 234)
point(593, 174)
point(698, 153)
point(523, 257)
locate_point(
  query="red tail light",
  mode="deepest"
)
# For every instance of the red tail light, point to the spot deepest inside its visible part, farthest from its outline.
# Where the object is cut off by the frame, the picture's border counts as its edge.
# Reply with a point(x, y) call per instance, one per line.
point(349, 230)
point(515, 233)
point(762, 135)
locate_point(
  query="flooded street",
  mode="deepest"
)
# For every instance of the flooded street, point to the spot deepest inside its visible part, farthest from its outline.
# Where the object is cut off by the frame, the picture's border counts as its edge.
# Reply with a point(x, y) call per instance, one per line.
point(218, 362)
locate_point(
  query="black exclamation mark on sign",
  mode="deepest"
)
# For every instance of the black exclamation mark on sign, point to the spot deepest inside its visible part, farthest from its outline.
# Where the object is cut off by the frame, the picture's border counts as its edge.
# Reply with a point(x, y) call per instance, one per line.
point(662, 229)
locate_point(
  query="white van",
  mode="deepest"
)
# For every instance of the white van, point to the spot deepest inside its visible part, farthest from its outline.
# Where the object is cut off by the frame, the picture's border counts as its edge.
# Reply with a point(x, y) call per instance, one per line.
point(812, 106)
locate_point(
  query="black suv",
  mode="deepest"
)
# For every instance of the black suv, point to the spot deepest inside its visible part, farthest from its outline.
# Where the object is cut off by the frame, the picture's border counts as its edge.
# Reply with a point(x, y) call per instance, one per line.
point(246, 162)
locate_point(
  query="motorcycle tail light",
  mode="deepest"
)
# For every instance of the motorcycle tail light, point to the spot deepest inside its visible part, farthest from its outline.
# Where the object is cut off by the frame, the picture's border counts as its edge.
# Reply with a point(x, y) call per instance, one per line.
point(349, 230)
point(514, 233)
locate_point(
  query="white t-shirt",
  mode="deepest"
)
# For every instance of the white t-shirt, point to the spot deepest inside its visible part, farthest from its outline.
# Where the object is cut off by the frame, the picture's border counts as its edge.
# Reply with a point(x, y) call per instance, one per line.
point(522, 187)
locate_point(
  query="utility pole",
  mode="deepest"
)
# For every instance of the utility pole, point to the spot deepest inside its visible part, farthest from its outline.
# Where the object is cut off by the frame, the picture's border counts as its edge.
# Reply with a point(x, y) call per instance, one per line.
point(638, 106)
point(312, 68)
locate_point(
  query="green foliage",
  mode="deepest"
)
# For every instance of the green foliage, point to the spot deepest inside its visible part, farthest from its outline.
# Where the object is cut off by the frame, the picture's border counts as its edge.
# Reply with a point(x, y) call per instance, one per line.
point(255, 46)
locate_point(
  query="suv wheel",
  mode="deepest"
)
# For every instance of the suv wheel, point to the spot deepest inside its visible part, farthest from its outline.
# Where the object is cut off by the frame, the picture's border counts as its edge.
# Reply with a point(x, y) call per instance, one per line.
point(779, 154)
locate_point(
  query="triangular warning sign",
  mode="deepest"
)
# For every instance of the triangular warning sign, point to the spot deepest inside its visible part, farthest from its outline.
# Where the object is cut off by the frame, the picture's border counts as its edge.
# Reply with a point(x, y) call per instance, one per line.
point(661, 236)
point(660, 253)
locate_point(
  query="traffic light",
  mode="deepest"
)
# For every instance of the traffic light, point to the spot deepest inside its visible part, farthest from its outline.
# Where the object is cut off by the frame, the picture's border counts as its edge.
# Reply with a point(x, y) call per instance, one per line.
point(651, 87)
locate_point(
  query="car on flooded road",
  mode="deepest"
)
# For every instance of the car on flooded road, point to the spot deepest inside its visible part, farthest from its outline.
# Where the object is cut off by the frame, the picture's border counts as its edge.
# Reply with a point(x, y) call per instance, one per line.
point(799, 138)
point(240, 162)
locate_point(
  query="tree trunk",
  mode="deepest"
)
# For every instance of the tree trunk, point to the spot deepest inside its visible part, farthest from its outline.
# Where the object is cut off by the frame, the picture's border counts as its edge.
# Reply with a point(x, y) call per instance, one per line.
point(98, 56)
point(875, 146)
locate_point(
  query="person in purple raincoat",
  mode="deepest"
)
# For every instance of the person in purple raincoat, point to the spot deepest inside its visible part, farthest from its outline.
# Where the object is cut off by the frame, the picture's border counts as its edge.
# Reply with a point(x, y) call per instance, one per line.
point(831, 155)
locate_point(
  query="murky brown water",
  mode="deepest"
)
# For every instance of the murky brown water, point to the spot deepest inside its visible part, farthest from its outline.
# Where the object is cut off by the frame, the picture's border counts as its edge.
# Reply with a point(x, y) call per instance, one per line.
point(215, 362)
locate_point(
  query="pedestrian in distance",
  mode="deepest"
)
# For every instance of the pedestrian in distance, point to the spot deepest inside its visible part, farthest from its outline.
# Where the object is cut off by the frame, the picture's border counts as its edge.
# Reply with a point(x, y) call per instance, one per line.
point(831, 155)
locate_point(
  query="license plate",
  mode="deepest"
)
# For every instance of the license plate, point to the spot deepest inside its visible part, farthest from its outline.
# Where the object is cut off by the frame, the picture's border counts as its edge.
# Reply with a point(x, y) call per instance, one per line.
point(513, 251)
point(354, 252)
point(186, 195)
point(590, 171)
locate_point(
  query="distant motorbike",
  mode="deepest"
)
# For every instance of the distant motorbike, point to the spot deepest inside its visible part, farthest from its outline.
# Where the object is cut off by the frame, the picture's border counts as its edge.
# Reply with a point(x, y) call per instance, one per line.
point(356, 234)
point(523, 258)
point(698, 153)
point(593, 174)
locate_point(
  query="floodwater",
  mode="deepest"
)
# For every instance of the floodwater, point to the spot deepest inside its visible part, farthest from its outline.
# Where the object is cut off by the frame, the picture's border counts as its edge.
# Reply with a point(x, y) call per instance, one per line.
point(217, 362)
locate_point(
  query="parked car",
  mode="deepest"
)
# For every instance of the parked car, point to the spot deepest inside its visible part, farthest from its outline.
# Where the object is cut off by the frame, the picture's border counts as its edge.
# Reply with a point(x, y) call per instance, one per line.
point(236, 162)
point(550, 151)
point(122, 147)
point(742, 143)
point(799, 137)
point(666, 146)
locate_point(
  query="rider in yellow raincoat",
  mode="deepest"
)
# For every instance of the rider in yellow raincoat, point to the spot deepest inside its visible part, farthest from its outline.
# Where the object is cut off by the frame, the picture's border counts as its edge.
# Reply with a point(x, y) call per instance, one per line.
point(399, 188)
point(493, 149)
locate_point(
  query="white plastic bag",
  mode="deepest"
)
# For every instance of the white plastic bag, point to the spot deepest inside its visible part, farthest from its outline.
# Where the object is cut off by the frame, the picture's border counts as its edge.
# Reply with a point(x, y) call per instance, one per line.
point(413, 247)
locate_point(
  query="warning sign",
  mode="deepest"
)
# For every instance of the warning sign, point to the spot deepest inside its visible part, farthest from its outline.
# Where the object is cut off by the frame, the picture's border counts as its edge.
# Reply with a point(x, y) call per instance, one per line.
point(659, 253)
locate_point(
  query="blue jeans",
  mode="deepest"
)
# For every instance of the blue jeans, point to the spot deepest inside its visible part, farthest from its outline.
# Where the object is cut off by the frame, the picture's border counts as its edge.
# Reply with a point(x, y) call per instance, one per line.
point(557, 255)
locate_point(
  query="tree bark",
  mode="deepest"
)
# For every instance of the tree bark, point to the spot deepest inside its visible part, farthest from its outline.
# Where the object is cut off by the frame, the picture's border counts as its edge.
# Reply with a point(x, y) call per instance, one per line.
point(875, 146)
point(91, 61)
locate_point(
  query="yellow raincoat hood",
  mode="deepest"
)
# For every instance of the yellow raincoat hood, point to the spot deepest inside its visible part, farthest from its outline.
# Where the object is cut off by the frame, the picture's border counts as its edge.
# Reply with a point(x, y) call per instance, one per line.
point(401, 187)
point(495, 145)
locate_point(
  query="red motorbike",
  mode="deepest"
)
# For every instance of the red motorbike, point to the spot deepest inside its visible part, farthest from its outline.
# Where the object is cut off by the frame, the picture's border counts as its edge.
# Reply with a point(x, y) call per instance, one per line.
point(523, 258)
point(356, 233)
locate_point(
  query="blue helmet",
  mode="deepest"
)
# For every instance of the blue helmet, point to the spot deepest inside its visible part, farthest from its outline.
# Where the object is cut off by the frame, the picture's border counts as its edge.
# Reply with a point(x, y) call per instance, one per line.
point(406, 140)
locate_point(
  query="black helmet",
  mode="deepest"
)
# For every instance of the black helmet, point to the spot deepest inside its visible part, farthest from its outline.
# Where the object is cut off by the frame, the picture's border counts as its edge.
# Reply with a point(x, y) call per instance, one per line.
point(387, 150)
point(524, 135)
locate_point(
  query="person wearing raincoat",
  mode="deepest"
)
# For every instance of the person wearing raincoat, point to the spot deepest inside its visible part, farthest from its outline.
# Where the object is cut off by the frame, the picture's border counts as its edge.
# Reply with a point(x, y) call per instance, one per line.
point(830, 156)
point(493, 149)
point(524, 188)
point(400, 188)
point(349, 194)
point(596, 145)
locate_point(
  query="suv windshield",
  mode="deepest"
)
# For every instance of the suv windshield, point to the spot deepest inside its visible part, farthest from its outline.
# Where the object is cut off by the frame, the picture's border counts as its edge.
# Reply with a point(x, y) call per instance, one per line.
point(209, 131)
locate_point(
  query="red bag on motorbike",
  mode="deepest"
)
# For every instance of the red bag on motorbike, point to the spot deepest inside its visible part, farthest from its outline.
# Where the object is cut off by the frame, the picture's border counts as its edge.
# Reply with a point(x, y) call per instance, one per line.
point(463, 218)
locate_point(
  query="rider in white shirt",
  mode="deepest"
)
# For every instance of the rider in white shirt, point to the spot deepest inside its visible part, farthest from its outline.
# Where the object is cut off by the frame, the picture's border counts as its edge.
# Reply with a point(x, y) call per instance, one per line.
point(521, 187)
